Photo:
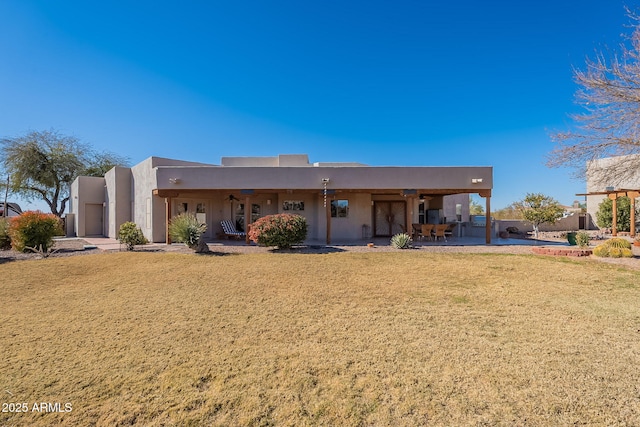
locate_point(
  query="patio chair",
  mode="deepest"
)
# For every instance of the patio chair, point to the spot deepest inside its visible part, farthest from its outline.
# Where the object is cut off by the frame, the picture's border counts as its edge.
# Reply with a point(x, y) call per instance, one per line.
point(415, 230)
point(449, 230)
point(230, 230)
point(426, 230)
point(440, 231)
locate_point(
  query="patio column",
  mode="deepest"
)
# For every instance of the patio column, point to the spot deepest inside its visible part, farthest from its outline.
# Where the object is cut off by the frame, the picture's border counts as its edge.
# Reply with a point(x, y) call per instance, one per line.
point(167, 201)
point(487, 195)
point(409, 229)
point(614, 214)
point(328, 215)
point(247, 218)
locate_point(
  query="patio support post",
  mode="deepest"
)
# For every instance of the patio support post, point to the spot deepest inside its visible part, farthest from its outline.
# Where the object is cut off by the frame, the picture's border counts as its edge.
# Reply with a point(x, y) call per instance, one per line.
point(487, 195)
point(614, 214)
point(409, 218)
point(632, 195)
point(247, 218)
point(328, 214)
point(167, 201)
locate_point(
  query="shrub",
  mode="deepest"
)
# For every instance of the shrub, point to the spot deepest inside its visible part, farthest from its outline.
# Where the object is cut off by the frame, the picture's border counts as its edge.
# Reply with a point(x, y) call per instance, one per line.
point(582, 239)
point(34, 229)
point(5, 238)
point(401, 241)
point(131, 235)
point(618, 242)
point(281, 230)
point(185, 228)
point(614, 248)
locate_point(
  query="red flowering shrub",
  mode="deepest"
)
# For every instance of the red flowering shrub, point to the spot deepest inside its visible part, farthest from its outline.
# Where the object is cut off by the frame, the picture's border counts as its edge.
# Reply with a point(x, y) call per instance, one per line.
point(33, 229)
point(281, 230)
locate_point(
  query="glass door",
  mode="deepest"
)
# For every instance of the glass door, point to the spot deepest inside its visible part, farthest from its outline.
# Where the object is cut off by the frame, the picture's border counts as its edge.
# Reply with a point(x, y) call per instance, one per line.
point(256, 212)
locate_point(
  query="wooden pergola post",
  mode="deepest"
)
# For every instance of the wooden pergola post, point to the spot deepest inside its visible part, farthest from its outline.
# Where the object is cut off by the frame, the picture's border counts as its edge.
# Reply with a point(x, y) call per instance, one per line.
point(633, 195)
point(614, 214)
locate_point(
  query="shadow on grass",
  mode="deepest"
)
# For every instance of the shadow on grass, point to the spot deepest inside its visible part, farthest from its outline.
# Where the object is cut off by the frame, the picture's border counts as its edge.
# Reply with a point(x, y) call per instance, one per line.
point(308, 250)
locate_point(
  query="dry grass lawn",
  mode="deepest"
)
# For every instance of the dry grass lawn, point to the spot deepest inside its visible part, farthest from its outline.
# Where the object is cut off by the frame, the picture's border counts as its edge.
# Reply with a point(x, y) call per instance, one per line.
point(352, 339)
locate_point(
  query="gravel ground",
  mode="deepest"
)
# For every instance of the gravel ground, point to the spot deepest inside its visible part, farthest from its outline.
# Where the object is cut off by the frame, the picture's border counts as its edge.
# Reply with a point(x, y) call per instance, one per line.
point(76, 247)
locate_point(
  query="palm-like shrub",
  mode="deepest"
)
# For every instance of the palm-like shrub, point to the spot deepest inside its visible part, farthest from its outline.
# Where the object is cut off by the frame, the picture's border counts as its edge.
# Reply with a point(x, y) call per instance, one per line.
point(281, 230)
point(34, 229)
point(185, 228)
point(401, 241)
point(131, 235)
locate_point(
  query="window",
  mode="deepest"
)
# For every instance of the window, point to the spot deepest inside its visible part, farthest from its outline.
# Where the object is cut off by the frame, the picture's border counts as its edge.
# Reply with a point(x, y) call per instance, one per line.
point(339, 208)
point(293, 205)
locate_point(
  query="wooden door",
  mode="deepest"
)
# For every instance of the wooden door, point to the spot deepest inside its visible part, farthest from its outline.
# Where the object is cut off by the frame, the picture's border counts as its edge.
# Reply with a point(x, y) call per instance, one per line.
point(389, 218)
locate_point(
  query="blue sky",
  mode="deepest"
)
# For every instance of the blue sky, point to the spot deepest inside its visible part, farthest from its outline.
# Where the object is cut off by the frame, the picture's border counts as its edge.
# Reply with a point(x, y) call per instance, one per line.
point(377, 82)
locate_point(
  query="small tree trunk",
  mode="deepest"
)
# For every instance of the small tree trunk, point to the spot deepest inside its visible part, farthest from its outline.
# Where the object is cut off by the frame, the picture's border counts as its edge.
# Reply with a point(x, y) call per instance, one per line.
point(535, 231)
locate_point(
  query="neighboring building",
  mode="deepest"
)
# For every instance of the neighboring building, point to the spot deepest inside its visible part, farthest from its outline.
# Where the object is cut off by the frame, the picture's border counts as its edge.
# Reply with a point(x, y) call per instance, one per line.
point(13, 209)
point(341, 201)
point(608, 175)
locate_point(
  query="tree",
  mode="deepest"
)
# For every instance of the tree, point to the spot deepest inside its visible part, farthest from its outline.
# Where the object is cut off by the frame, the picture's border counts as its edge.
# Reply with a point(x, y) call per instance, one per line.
point(610, 96)
point(604, 216)
point(537, 209)
point(42, 165)
point(475, 208)
point(510, 212)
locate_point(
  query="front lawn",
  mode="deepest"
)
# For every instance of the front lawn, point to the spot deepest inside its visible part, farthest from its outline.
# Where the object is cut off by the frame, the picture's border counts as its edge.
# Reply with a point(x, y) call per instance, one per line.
point(403, 339)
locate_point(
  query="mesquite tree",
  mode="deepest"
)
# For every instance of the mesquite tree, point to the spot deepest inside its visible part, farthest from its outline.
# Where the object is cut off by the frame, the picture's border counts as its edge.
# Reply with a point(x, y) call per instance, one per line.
point(42, 165)
point(610, 122)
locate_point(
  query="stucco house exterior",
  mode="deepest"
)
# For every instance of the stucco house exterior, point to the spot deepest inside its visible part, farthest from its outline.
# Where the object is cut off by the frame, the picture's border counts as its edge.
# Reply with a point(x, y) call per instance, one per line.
point(341, 201)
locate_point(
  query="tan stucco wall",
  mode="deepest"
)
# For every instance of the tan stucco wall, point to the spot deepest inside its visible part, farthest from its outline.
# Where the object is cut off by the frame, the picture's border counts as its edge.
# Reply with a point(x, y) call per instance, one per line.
point(303, 178)
point(118, 199)
point(85, 190)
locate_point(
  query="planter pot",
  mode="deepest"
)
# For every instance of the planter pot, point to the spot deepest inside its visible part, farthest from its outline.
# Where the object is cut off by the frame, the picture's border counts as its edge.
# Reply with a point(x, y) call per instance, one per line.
point(636, 243)
point(571, 238)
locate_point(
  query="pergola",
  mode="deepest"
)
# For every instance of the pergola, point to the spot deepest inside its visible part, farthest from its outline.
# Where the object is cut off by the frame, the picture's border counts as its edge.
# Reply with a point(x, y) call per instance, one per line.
point(614, 195)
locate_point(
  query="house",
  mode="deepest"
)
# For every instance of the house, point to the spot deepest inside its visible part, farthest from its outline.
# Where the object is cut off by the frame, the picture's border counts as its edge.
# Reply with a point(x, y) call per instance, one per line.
point(341, 201)
point(612, 177)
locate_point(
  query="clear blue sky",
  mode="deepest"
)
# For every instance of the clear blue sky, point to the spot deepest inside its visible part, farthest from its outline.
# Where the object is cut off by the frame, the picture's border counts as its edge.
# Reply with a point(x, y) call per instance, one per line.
point(385, 83)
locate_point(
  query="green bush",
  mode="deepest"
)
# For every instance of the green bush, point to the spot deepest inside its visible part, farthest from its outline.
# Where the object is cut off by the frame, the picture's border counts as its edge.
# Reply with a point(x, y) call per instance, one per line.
point(34, 229)
point(131, 235)
point(614, 248)
point(582, 239)
point(281, 230)
point(184, 228)
point(5, 238)
point(401, 241)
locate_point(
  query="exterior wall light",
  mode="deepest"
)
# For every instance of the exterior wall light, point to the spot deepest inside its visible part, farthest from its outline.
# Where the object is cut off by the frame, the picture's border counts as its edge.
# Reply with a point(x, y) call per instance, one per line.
point(476, 180)
point(174, 180)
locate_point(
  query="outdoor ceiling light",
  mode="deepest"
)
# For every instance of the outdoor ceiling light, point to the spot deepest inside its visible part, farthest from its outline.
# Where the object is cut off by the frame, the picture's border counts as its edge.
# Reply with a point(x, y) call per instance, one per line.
point(476, 180)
